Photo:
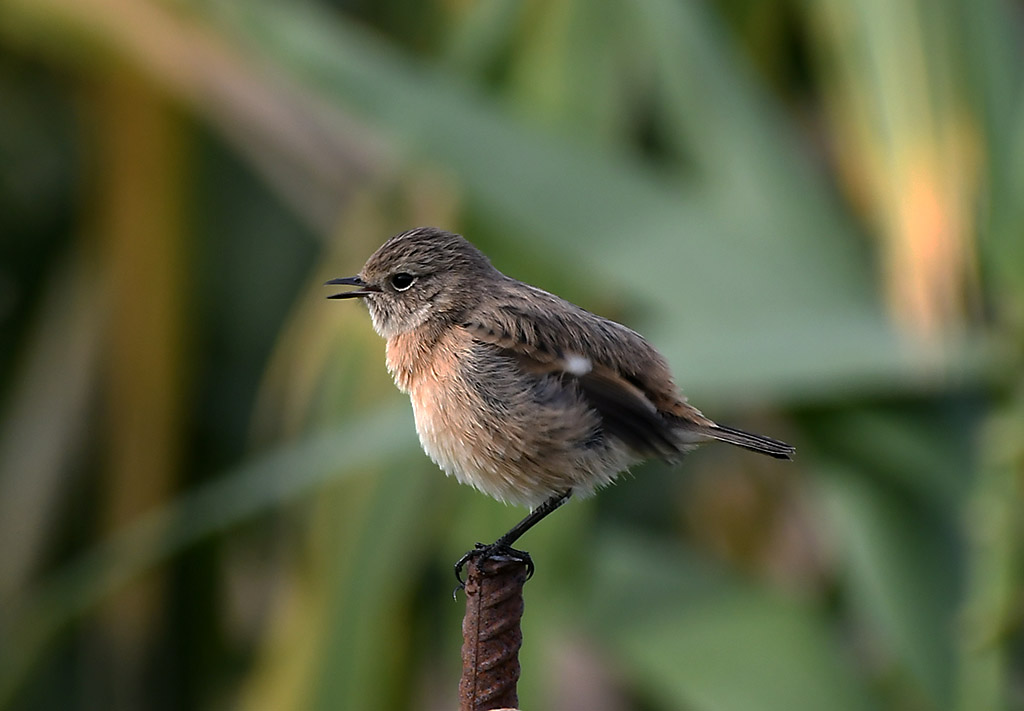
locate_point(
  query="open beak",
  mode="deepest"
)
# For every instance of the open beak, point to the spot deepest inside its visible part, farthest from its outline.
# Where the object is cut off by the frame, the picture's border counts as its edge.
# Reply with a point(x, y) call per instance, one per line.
point(362, 290)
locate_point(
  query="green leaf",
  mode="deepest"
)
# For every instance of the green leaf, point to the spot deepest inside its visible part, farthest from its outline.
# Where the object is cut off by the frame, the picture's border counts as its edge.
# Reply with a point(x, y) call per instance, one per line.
point(377, 554)
point(281, 476)
point(899, 574)
point(701, 640)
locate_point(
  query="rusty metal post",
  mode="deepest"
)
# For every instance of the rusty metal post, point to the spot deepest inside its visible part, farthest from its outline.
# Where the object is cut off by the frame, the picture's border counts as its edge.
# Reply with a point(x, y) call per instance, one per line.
point(491, 633)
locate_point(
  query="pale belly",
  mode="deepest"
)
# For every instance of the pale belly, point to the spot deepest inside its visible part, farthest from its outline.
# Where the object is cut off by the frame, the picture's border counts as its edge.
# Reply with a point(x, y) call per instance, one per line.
point(520, 447)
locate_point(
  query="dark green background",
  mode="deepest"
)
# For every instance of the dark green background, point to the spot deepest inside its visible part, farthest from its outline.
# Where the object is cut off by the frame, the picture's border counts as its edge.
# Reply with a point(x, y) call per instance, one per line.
point(211, 496)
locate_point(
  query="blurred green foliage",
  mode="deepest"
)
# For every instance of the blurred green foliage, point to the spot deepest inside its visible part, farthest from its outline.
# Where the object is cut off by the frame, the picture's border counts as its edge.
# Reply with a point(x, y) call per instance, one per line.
point(211, 495)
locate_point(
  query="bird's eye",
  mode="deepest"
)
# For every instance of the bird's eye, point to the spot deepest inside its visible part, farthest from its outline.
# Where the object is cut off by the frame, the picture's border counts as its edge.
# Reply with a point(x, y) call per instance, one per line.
point(402, 281)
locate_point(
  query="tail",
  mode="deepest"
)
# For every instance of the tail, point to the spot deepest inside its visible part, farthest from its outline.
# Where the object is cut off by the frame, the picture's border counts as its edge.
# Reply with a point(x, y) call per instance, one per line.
point(753, 442)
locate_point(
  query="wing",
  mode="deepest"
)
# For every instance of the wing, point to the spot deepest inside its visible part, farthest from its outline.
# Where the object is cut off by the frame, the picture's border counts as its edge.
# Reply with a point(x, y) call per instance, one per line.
point(619, 373)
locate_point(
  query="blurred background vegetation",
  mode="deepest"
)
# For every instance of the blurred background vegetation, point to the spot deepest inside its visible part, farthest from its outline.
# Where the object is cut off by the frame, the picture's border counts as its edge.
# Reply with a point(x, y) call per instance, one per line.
point(211, 496)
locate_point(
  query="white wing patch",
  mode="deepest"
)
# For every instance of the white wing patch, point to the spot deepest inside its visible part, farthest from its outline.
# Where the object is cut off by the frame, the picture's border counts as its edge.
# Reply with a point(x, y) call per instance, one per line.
point(577, 365)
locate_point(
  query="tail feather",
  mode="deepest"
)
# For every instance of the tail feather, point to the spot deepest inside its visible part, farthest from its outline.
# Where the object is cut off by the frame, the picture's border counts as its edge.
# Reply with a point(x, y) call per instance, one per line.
point(753, 442)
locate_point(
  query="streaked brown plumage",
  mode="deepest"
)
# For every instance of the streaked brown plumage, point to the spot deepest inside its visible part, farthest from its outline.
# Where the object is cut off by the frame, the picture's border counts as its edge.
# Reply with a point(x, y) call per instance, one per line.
point(515, 391)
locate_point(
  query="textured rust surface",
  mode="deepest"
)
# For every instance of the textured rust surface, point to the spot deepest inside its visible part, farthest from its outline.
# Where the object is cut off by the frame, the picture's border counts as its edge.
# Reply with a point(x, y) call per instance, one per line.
point(491, 635)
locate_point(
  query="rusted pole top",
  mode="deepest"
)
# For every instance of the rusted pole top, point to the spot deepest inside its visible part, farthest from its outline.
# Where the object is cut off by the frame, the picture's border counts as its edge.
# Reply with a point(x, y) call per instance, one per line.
point(491, 633)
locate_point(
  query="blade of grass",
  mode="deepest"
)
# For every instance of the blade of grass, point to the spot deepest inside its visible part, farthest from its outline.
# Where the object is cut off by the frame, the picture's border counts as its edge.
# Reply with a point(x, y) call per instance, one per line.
point(268, 481)
point(900, 577)
point(44, 421)
point(700, 639)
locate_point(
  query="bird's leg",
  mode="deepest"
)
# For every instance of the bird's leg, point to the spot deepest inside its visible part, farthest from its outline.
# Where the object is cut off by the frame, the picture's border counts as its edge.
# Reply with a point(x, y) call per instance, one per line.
point(503, 546)
point(534, 517)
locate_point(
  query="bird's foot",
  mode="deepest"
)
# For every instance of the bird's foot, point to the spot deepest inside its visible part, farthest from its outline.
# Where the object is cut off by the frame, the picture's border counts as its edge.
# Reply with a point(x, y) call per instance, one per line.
point(493, 550)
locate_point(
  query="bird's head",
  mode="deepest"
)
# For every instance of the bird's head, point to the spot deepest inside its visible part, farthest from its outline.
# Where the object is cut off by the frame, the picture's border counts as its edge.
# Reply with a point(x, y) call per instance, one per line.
point(418, 276)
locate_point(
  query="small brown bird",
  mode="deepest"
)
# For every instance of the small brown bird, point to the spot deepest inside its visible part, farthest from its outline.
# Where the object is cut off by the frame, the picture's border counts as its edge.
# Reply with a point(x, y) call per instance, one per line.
point(519, 393)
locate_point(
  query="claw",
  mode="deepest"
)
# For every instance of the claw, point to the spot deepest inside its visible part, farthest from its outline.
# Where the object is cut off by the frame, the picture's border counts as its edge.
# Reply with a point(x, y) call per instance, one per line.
point(461, 563)
point(490, 551)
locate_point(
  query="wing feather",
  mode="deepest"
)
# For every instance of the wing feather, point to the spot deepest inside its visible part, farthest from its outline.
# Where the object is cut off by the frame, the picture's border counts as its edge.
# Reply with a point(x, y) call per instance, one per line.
point(628, 383)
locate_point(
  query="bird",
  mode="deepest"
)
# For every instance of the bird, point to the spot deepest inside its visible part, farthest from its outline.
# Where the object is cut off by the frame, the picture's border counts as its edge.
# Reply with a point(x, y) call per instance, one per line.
point(517, 392)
